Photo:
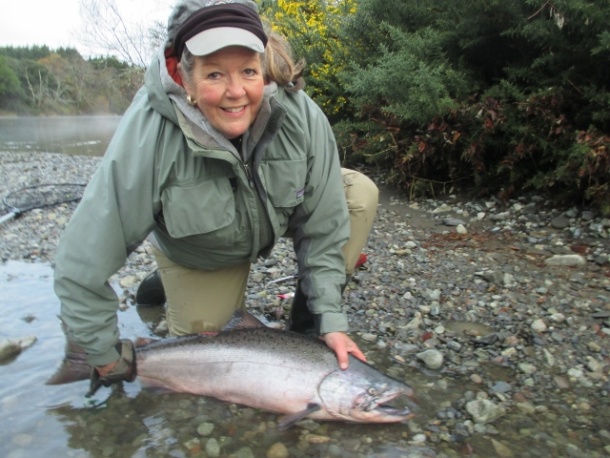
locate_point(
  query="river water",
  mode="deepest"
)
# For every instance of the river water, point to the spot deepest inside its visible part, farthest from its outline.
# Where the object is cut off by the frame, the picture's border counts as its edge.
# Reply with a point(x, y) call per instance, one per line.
point(80, 135)
point(43, 420)
point(38, 420)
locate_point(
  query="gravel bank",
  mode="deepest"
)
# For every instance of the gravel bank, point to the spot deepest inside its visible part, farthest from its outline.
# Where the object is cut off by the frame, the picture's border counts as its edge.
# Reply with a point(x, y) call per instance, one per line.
point(497, 313)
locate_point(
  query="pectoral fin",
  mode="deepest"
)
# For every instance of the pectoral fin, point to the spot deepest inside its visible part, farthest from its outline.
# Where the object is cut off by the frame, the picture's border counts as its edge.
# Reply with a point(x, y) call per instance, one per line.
point(289, 420)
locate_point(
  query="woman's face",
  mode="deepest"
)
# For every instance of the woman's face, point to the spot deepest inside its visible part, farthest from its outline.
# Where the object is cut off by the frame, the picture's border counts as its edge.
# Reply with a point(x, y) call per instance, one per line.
point(228, 86)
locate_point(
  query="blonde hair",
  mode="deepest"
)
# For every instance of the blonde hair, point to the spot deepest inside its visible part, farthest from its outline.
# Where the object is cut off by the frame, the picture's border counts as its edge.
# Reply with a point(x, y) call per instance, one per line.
point(279, 65)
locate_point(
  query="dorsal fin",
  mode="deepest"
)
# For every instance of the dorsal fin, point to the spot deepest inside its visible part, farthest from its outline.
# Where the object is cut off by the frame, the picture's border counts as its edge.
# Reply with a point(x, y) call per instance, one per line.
point(242, 319)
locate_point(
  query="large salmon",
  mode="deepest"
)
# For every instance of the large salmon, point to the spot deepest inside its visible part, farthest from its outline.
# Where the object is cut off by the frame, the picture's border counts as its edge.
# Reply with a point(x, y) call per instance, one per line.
point(274, 370)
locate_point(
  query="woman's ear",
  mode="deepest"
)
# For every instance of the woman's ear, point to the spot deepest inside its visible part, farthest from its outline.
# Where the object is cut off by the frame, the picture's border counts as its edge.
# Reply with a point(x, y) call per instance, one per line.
point(185, 81)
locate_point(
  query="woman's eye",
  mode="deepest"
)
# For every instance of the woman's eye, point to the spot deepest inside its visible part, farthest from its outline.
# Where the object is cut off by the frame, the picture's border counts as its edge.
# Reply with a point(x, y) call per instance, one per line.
point(250, 72)
point(213, 75)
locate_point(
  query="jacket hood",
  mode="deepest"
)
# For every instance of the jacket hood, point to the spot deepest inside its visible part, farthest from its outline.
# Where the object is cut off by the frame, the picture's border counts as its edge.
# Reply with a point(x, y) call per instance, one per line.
point(156, 79)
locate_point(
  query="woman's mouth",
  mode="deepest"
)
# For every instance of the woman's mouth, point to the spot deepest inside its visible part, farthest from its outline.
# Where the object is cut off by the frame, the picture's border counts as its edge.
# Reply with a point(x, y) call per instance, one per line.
point(235, 109)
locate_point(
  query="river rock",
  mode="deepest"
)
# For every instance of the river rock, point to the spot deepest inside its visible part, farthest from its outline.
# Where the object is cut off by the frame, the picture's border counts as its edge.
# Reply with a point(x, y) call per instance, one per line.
point(502, 450)
point(129, 281)
point(539, 325)
point(566, 260)
point(278, 450)
point(205, 428)
point(433, 359)
point(484, 411)
point(560, 222)
point(12, 347)
point(9, 348)
point(212, 447)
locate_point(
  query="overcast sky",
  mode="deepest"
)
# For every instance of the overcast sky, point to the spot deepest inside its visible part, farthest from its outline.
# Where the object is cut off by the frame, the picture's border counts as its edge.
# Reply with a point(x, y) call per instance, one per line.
point(57, 23)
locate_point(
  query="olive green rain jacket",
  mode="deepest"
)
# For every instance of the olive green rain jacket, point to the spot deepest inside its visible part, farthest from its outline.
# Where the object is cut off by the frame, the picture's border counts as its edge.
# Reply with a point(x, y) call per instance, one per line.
point(168, 173)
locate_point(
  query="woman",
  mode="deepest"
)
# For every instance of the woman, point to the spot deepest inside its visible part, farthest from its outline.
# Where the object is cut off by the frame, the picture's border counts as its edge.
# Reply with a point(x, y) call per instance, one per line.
point(218, 156)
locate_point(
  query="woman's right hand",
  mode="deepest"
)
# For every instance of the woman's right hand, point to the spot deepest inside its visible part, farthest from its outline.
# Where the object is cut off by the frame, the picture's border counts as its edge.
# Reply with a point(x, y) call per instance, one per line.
point(118, 371)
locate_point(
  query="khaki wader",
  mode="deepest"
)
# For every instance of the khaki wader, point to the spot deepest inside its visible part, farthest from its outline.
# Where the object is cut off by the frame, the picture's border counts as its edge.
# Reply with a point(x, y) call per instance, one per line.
point(201, 300)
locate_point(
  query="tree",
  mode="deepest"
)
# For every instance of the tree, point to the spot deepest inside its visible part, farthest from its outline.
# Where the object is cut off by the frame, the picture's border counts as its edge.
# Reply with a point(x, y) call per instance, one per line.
point(10, 88)
point(62, 82)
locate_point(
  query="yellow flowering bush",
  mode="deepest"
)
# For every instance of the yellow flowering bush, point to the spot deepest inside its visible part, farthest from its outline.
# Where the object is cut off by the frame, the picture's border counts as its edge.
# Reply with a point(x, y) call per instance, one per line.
point(313, 28)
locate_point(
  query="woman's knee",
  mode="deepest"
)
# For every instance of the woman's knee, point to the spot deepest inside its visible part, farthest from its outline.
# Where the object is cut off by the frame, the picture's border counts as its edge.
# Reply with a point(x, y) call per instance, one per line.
point(361, 192)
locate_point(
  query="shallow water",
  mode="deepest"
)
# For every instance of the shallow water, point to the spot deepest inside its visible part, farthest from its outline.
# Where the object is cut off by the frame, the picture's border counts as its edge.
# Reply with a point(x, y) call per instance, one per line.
point(33, 414)
point(42, 420)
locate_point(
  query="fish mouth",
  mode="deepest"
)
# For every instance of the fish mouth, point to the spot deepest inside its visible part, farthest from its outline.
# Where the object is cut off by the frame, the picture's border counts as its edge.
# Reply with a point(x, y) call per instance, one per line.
point(388, 407)
point(393, 413)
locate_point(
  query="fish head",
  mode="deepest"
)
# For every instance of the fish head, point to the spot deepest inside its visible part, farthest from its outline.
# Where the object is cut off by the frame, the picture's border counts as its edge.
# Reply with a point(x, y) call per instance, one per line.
point(361, 394)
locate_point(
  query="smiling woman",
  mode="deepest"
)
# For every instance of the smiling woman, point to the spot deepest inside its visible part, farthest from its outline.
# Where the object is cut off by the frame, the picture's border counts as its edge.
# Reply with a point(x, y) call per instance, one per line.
point(219, 156)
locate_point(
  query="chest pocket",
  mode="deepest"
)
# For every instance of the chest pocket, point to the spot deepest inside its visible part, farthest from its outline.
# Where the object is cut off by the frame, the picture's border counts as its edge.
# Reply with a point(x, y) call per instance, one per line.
point(198, 209)
point(285, 181)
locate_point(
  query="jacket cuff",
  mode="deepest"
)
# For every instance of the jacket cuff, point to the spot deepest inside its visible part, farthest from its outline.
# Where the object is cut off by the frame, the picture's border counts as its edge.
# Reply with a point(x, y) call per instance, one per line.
point(331, 322)
point(104, 358)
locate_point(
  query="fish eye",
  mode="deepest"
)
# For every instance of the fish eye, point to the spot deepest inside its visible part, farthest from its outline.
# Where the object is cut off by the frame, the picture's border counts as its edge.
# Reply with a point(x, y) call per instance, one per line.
point(372, 391)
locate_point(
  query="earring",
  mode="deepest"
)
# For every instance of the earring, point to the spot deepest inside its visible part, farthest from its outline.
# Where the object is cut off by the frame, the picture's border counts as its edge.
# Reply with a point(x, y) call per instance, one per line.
point(191, 101)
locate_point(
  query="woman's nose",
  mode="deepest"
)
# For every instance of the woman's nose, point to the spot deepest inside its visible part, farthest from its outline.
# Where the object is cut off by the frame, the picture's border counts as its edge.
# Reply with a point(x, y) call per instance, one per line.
point(235, 88)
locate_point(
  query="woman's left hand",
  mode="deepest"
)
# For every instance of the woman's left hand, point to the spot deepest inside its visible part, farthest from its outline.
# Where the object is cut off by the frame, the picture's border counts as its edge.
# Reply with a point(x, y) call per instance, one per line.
point(342, 345)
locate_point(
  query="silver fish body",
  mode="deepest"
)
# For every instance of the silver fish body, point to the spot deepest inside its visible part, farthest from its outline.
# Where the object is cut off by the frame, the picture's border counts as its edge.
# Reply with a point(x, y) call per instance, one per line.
point(274, 370)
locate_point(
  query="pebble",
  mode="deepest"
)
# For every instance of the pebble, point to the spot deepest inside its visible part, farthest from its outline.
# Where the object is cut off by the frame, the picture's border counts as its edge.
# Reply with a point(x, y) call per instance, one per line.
point(12, 347)
point(476, 378)
point(484, 411)
point(539, 325)
point(212, 448)
point(316, 439)
point(566, 260)
point(501, 449)
point(278, 450)
point(527, 368)
point(205, 429)
point(433, 359)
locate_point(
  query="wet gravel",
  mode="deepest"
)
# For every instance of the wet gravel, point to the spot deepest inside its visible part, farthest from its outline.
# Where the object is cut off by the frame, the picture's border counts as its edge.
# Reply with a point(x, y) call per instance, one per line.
point(497, 313)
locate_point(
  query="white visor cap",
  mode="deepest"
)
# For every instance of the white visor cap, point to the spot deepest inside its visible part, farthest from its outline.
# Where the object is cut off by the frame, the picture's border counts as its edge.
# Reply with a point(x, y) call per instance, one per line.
point(211, 40)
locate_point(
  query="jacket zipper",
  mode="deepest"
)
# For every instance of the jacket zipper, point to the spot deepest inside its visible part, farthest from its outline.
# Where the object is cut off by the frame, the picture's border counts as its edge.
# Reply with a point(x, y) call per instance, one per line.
point(248, 174)
point(265, 235)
